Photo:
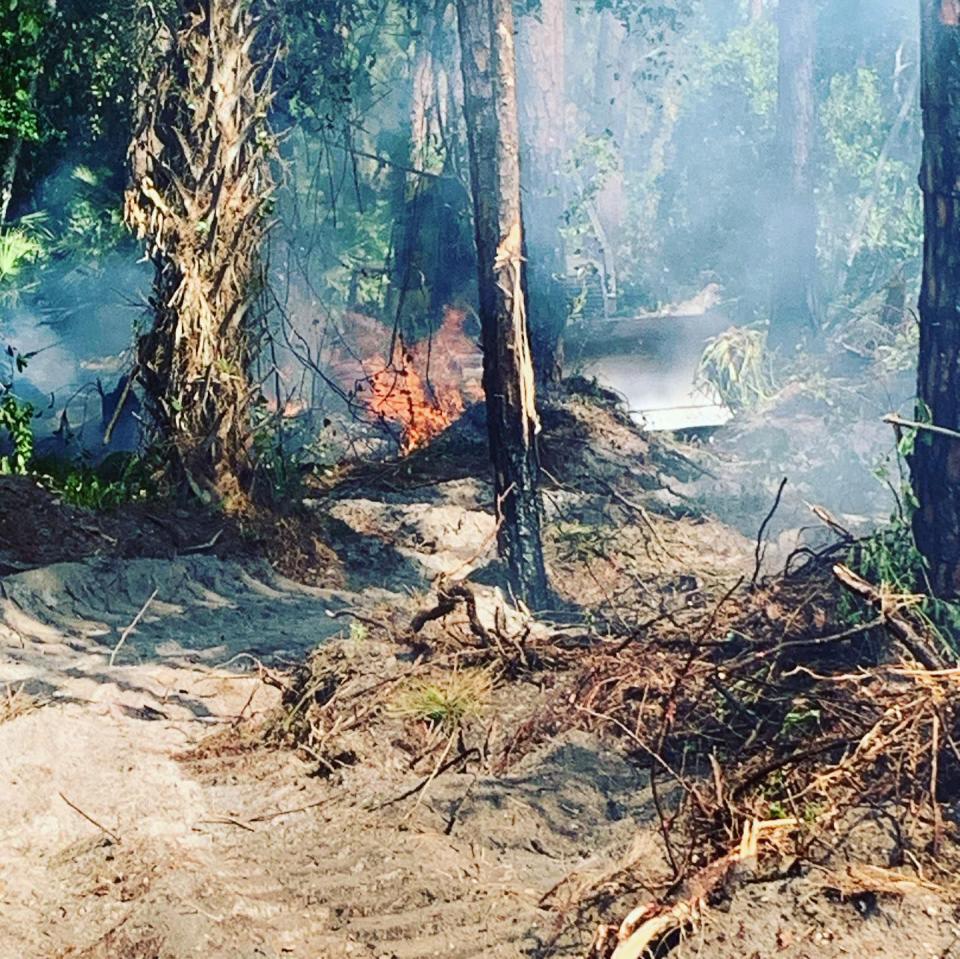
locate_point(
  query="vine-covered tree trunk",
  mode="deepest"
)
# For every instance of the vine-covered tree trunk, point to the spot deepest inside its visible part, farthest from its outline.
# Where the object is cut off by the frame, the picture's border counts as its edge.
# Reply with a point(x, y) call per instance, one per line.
point(794, 307)
point(542, 79)
point(936, 459)
point(490, 110)
point(199, 193)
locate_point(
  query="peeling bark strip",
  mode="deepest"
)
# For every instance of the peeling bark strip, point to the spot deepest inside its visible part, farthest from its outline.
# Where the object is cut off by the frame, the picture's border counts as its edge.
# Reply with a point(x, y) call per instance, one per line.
point(936, 460)
point(508, 268)
point(490, 110)
point(198, 194)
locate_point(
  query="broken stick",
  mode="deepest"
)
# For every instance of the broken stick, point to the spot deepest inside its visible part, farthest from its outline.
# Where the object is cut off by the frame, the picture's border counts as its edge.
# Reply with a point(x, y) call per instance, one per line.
point(896, 624)
point(133, 625)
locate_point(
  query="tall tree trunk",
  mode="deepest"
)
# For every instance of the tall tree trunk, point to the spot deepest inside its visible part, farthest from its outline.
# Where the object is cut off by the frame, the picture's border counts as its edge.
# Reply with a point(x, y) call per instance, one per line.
point(423, 94)
point(11, 150)
point(613, 76)
point(490, 111)
point(756, 10)
point(542, 81)
point(936, 459)
point(794, 310)
point(200, 184)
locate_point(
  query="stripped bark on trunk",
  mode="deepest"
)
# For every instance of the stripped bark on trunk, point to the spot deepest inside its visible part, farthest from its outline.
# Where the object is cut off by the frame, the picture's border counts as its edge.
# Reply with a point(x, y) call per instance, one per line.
point(542, 78)
point(490, 110)
point(199, 193)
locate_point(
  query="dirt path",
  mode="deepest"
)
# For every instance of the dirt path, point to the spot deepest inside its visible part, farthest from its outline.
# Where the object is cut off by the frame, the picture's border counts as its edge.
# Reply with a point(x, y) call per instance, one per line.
point(230, 855)
point(247, 856)
point(107, 739)
point(125, 834)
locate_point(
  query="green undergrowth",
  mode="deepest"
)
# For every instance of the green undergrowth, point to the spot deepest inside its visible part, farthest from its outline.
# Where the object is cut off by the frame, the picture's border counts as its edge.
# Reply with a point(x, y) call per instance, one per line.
point(890, 559)
point(117, 479)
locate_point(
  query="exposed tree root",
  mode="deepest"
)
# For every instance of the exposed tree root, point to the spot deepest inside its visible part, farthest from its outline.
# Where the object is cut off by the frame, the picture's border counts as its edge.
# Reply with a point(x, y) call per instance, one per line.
point(648, 924)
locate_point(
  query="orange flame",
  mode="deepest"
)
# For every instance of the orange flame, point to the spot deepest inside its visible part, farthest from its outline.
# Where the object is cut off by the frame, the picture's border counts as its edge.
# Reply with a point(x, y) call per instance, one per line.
point(426, 387)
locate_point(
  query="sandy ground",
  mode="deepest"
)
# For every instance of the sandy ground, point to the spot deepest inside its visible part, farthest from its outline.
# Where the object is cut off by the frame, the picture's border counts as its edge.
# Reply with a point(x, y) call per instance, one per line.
point(115, 840)
point(127, 833)
point(120, 839)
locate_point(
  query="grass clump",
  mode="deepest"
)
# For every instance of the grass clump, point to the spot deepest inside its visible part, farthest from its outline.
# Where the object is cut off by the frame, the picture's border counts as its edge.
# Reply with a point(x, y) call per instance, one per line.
point(120, 478)
point(445, 701)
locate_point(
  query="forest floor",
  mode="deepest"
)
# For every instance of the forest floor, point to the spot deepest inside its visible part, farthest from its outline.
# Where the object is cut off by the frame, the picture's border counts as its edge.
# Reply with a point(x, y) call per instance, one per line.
point(331, 736)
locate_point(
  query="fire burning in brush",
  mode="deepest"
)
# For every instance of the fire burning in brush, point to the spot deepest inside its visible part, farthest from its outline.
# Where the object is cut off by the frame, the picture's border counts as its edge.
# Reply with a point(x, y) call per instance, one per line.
point(423, 388)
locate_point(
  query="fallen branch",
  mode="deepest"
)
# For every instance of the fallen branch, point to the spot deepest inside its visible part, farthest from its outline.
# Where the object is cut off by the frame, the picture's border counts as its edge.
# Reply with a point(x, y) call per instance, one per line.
point(128, 386)
point(761, 551)
point(438, 770)
point(450, 596)
point(90, 819)
point(132, 626)
point(896, 624)
point(227, 821)
point(643, 514)
point(830, 521)
point(209, 544)
point(898, 422)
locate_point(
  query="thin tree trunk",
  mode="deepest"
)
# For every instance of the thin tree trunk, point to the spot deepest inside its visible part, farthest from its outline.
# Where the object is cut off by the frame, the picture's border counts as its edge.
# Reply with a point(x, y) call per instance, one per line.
point(8, 173)
point(756, 10)
point(794, 310)
point(542, 81)
point(490, 111)
point(11, 159)
point(936, 460)
point(200, 185)
point(614, 76)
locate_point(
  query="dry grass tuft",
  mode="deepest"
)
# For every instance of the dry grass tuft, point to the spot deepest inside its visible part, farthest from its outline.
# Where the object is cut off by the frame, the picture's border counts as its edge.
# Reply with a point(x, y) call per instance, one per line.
point(447, 700)
point(14, 703)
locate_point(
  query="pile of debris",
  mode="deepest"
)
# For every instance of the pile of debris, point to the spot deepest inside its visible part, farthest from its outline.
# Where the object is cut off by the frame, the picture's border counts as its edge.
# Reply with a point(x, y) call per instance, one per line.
point(760, 709)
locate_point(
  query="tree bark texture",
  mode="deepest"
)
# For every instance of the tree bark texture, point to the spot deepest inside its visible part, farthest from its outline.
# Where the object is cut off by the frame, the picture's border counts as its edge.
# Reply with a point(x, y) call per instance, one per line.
point(199, 192)
point(936, 459)
point(10, 151)
point(542, 82)
point(490, 111)
point(794, 310)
